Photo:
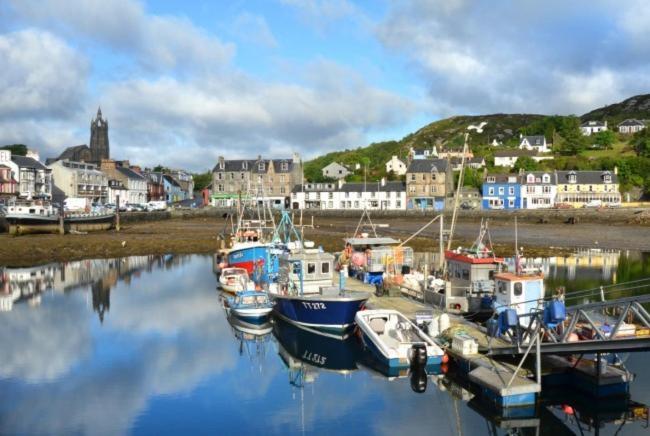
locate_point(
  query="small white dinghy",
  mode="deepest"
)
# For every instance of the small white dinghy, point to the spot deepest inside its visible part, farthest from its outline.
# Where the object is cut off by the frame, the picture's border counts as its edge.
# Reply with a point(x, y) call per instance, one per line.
point(395, 341)
point(235, 280)
point(251, 306)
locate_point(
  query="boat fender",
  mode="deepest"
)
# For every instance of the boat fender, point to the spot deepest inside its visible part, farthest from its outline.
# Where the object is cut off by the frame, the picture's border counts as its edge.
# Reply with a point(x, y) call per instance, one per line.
point(418, 357)
point(443, 322)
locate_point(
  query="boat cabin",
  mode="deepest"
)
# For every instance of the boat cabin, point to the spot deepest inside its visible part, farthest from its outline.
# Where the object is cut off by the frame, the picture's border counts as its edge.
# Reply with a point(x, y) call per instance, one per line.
point(308, 270)
point(518, 291)
point(470, 270)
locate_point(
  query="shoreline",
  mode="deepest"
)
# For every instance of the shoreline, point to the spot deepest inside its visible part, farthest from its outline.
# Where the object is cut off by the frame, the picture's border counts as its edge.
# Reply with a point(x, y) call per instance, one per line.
point(199, 235)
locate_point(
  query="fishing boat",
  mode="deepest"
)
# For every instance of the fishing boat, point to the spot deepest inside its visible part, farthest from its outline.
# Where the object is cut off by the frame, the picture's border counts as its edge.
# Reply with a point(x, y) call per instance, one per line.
point(396, 341)
point(251, 306)
point(96, 219)
point(35, 216)
point(234, 279)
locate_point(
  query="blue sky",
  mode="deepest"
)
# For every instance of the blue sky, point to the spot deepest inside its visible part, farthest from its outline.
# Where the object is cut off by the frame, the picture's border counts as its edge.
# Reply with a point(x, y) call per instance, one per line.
point(184, 82)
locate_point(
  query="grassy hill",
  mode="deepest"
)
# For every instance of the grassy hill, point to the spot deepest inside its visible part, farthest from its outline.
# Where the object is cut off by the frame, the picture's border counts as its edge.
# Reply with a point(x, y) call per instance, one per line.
point(634, 107)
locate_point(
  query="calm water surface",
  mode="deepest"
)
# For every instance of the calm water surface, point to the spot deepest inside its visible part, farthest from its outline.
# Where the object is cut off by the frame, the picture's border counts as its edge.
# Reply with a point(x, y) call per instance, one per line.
point(142, 345)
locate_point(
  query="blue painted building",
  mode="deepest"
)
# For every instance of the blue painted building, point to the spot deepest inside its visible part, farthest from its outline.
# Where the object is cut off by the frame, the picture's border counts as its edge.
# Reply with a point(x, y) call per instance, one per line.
point(173, 191)
point(501, 191)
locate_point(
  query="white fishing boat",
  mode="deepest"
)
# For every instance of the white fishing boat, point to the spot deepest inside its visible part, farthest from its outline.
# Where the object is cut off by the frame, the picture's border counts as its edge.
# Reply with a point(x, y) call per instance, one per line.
point(395, 341)
point(235, 280)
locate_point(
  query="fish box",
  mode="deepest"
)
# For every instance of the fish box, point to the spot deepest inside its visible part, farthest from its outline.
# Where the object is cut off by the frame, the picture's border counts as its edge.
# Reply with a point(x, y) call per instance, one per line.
point(464, 344)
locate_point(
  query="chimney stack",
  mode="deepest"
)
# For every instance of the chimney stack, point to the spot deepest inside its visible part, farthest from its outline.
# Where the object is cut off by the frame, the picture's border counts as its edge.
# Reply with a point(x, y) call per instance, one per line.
point(383, 181)
point(341, 182)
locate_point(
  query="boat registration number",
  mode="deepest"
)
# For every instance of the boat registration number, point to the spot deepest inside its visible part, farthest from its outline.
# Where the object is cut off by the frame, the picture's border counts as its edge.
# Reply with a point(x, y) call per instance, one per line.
point(314, 306)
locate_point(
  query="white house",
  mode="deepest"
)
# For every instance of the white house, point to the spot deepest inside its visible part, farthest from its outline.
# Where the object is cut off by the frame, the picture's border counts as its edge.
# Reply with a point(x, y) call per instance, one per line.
point(496, 143)
point(136, 185)
point(381, 195)
point(34, 179)
point(631, 126)
point(335, 171)
point(508, 158)
point(396, 166)
point(590, 127)
point(538, 190)
point(535, 143)
point(423, 153)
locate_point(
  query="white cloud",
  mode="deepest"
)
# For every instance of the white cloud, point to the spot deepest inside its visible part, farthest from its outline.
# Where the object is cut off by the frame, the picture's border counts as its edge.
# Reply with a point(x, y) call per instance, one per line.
point(479, 57)
point(157, 42)
point(322, 10)
point(41, 76)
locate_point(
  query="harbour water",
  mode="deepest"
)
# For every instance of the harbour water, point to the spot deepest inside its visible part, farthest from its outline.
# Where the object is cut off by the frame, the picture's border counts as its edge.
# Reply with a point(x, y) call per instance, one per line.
point(142, 345)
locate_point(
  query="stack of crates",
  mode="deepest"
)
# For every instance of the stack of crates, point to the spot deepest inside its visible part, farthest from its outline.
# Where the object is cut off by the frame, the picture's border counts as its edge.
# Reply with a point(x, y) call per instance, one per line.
point(464, 344)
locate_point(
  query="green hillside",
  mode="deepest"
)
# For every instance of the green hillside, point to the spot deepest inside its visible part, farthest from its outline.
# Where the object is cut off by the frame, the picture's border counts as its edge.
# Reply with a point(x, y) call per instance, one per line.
point(634, 107)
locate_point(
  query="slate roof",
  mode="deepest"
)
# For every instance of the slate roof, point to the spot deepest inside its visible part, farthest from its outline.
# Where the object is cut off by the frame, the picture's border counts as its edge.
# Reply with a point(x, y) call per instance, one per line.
point(592, 124)
point(69, 153)
point(129, 173)
point(427, 165)
point(28, 162)
point(631, 123)
point(155, 177)
point(585, 177)
point(514, 153)
point(502, 178)
point(538, 178)
point(535, 140)
point(351, 187)
point(171, 180)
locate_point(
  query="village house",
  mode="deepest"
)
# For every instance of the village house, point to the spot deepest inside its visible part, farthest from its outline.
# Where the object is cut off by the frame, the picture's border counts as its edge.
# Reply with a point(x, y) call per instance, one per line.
point(631, 126)
point(173, 190)
point(501, 191)
point(428, 182)
point(535, 143)
point(155, 186)
point(396, 166)
point(380, 195)
point(270, 180)
point(581, 188)
point(80, 180)
point(455, 154)
point(134, 182)
point(588, 128)
point(508, 158)
point(335, 171)
point(34, 179)
point(538, 189)
point(185, 181)
point(8, 176)
point(423, 153)
point(469, 198)
point(117, 193)
point(474, 163)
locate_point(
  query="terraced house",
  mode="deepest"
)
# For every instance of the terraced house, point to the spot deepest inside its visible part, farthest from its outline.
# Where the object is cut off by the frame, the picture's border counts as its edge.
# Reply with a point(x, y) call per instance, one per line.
point(269, 180)
point(585, 188)
point(538, 189)
point(501, 191)
point(428, 183)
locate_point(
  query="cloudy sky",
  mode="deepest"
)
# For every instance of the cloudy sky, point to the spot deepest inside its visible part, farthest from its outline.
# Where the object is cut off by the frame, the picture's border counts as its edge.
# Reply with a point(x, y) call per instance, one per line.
point(184, 82)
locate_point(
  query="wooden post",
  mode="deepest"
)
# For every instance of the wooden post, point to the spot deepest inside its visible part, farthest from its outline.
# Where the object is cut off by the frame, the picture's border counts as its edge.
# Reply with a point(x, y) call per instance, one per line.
point(61, 221)
point(117, 212)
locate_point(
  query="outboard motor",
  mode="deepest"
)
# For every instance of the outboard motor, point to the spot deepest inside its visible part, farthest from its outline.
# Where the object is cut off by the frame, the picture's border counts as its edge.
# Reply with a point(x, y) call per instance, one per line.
point(418, 357)
point(419, 380)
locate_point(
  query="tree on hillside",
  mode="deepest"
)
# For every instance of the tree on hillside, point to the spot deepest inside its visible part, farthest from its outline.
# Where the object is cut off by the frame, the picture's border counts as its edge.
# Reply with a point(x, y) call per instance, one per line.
point(641, 142)
point(604, 139)
point(574, 142)
point(526, 163)
point(16, 149)
point(202, 180)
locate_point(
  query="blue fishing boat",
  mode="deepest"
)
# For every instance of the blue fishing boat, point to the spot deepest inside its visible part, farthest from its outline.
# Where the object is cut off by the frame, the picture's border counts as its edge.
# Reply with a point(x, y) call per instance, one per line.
point(251, 306)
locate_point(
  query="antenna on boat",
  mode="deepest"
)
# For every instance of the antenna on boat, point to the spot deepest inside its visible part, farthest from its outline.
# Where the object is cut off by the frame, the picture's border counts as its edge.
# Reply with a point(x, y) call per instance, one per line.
point(517, 266)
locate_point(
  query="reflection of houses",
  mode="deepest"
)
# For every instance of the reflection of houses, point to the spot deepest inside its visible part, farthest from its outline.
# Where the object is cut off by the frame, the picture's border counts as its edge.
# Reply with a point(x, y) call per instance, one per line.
point(24, 284)
point(595, 264)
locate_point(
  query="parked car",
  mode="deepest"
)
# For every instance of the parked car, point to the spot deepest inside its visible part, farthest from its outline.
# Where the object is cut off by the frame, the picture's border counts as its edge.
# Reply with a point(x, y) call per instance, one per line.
point(157, 205)
point(466, 206)
point(593, 204)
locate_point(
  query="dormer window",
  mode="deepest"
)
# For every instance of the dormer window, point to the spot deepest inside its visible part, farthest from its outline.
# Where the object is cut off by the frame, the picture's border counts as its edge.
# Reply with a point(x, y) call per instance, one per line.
point(531, 178)
point(572, 177)
point(244, 165)
point(260, 166)
point(284, 166)
point(546, 178)
point(491, 179)
point(607, 177)
point(512, 179)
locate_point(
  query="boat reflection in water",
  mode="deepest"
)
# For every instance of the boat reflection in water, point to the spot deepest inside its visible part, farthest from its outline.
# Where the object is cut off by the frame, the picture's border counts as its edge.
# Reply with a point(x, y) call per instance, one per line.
point(253, 338)
point(299, 347)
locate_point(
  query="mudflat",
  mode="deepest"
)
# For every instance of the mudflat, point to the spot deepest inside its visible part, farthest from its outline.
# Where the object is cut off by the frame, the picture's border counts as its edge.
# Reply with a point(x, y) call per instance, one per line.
point(201, 235)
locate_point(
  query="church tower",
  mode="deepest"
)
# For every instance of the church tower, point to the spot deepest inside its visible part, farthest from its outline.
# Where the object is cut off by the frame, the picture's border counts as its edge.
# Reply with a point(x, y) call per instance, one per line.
point(99, 138)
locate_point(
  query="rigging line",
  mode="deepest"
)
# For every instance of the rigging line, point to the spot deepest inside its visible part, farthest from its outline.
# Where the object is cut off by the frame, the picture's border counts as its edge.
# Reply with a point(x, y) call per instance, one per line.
point(421, 230)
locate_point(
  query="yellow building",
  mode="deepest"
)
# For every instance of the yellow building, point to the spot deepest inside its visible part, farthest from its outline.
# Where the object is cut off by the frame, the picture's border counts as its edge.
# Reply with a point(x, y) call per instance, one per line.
point(588, 188)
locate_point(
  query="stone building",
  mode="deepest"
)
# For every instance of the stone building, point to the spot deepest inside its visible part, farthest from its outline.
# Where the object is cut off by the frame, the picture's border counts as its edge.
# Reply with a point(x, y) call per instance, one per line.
point(270, 180)
point(80, 179)
point(428, 183)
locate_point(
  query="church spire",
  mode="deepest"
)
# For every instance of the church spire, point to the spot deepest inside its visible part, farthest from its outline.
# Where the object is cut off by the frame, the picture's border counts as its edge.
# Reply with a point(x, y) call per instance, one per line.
point(99, 112)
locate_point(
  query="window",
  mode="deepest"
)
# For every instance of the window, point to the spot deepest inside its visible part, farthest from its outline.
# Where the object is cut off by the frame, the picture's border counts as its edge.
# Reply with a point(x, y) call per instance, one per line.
point(356, 205)
point(465, 274)
point(243, 176)
point(413, 177)
point(511, 190)
point(501, 190)
point(502, 288)
point(511, 202)
point(490, 191)
point(398, 203)
point(330, 195)
point(342, 205)
point(412, 189)
point(347, 195)
point(260, 166)
point(284, 166)
point(325, 268)
point(219, 176)
point(433, 176)
point(434, 189)
point(244, 165)
point(491, 179)
point(330, 204)
point(282, 190)
point(518, 289)
point(311, 268)
point(282, 179)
